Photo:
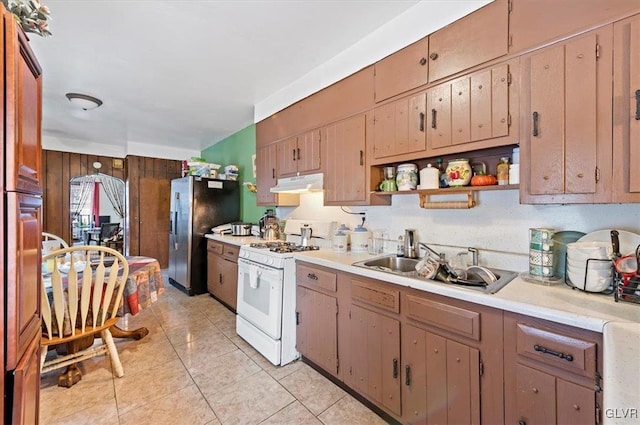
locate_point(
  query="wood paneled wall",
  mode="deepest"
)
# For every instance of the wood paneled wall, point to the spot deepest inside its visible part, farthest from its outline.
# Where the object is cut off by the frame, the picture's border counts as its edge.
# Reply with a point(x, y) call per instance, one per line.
point(148, 193)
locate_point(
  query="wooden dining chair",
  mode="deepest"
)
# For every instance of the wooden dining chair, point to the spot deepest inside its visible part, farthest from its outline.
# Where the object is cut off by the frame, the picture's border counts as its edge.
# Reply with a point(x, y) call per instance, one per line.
point(51, 237)
point(81, 298)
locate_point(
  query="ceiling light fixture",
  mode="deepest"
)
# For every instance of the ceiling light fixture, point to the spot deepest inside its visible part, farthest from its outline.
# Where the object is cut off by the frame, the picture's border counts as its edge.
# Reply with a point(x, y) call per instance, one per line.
point(83, 101)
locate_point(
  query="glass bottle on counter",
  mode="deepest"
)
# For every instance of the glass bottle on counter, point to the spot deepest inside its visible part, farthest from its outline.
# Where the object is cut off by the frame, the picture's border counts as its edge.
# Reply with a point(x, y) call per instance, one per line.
point(440, 167)
point(502, 171)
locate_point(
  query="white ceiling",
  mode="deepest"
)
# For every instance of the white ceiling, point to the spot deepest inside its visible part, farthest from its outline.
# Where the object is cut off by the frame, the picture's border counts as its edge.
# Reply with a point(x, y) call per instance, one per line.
point(185, 74)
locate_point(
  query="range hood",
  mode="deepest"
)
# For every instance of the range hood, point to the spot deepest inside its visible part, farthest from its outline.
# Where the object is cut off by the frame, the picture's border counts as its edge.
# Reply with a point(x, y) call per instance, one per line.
point(299, 184)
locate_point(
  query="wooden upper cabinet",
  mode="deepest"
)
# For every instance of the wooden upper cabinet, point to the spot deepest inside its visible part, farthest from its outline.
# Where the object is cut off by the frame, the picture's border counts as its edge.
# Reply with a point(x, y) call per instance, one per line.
point(472, 108)
point(567, 133)
point(402, 70)
point(535, 22)
point(344, 154)
point(472, 40)
point(399, 127)
point(349, 96)
point(299, 155)
point(266, 174)
point(626, 111)
point(23, 94)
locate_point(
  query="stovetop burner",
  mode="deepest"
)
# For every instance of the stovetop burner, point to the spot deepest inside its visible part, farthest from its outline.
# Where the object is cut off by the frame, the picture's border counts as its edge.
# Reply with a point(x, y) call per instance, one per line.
point(294, 248)
point(270, 244)
point(281, 247)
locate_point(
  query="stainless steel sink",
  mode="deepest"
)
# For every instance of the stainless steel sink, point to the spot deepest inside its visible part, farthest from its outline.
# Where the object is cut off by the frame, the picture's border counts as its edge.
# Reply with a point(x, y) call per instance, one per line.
point(392, 264)
point(402, 266)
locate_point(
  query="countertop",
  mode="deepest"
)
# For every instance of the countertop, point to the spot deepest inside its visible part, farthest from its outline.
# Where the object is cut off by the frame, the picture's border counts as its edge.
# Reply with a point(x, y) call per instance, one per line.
point(618, 322)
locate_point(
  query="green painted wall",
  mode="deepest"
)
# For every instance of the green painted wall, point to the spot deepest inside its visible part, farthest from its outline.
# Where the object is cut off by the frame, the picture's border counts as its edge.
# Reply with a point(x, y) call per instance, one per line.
point(238, 149)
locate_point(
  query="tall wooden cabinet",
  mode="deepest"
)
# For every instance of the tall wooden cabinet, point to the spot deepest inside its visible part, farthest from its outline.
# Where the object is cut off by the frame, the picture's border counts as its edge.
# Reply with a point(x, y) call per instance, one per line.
point(566, 120)
point(626, 110)
point(21, 229)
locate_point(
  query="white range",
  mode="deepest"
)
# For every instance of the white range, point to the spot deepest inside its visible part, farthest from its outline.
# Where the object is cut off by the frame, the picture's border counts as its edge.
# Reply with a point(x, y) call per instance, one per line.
point(266, 307)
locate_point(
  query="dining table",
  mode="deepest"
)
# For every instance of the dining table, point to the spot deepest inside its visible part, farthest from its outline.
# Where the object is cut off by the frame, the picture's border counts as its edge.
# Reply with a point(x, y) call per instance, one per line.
point(143, 286)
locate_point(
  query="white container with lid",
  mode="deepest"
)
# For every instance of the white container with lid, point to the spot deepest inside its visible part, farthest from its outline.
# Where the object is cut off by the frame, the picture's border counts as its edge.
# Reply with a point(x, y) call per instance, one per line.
point(514, 174)
point(429, 177)
point(360, 239)
point(339, 242)
point(515, 156)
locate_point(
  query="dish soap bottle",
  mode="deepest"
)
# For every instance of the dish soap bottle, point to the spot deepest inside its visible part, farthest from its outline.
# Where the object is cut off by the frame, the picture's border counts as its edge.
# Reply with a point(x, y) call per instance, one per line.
point(400, 248)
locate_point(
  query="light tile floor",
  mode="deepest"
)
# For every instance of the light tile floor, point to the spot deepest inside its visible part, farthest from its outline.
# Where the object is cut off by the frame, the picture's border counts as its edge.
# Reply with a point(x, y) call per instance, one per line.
point(193, 369)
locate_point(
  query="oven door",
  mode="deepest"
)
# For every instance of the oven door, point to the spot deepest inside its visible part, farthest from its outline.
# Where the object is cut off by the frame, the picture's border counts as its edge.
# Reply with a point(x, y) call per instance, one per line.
point(260, 296)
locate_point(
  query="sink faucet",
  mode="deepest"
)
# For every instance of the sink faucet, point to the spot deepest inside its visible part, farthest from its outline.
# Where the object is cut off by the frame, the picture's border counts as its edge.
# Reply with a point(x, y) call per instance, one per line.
point(430, 251)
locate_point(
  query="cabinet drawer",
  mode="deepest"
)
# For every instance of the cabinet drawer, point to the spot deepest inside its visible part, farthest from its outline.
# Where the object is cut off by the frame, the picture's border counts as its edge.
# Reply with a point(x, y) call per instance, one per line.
point(378, 296)
point(555, 349)
point(214, 247)
point(230, 252)
point(312, 277)
point(454, 319)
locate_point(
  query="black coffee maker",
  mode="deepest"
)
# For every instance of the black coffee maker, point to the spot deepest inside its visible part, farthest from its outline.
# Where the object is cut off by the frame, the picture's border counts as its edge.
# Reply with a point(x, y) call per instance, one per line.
point(268, 218)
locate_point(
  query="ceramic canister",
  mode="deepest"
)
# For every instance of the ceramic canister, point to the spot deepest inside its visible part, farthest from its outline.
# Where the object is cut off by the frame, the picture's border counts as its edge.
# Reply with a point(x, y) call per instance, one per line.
point(339, 242)
point(407, 177)
point(458, 172)
point(360, 239)
point(429, 177)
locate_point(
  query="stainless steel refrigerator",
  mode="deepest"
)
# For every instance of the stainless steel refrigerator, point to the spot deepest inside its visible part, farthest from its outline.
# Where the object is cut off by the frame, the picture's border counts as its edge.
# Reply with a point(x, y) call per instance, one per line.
point(197, 205)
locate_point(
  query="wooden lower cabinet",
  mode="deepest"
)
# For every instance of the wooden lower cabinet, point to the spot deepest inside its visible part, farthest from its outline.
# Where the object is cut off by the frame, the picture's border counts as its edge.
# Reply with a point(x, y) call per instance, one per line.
point(317, 328)
point(374, 369)
point(26, 386)
point(551, 373)
point(441, 379)
point(418, 357)
point(222, 272)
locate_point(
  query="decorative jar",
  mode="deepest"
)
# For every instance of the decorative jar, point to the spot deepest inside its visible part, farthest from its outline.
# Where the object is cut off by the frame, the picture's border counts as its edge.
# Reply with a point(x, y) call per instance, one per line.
point(458, 172)
point(407, 176)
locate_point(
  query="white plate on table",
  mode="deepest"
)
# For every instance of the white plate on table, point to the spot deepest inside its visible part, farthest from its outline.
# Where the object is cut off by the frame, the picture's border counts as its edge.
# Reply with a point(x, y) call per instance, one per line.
point(629, 241)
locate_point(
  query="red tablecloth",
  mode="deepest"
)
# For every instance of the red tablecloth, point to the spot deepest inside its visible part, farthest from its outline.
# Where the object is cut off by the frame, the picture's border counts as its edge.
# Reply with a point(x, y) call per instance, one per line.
point(143, 286)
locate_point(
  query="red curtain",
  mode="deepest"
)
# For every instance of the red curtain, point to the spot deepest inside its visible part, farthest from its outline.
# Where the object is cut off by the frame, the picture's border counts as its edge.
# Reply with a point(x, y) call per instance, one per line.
point(95, 212)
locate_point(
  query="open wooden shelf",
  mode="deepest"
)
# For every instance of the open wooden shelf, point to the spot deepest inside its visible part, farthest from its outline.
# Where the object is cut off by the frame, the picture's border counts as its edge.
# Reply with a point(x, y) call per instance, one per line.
point(464, 190)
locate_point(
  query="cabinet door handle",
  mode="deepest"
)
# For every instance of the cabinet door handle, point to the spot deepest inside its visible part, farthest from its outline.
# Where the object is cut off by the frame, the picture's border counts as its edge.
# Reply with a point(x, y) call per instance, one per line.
point(637, 104)
point(433, 56)
point(361, 157)
point(535, 124)
point(297, 318)
point(407, 375)
point(421, 121)
point(298, 150)
point(541, 349)
point(273, 173)
point(294, 154)
point(220, 278)
point(395, 368)
point(434, 114)
point(312, 276)
point(423, 61)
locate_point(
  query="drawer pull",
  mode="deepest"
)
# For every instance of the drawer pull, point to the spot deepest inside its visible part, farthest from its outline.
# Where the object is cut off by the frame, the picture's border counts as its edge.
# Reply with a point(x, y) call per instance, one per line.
point(423, 61)
point(395, 368)
point(407, 375)
point(312, 276)
point(540, 348)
